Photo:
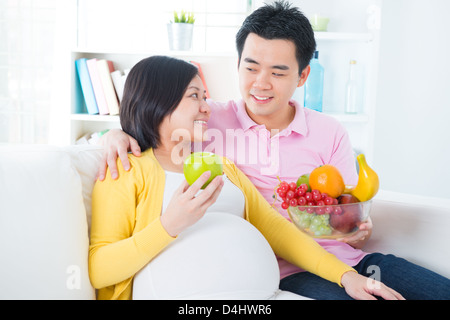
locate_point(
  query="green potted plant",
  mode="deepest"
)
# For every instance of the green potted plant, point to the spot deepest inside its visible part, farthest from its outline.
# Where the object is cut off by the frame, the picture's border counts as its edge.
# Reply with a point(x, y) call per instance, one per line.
point(180, 31)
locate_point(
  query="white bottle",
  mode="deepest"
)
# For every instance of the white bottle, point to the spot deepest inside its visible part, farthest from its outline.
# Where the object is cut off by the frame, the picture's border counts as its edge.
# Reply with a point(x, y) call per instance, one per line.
point(351, 90)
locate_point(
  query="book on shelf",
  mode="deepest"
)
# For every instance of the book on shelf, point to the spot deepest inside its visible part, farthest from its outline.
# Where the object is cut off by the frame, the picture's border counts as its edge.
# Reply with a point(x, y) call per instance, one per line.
point(86, 86)
point(118, 79)
point(91, 138)
point(97, 86)
point(105, 67)
point(200, 73)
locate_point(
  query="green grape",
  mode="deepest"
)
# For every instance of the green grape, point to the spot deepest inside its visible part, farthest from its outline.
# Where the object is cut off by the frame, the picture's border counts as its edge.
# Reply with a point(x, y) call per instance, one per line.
point(316, 220)
point(304, 224)
point(305, 216)
point(314, 228)
point(325, 230)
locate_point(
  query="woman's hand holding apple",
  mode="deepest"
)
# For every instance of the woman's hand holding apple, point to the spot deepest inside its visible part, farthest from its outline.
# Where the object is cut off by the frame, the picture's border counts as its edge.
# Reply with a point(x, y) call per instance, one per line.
point(185, 208)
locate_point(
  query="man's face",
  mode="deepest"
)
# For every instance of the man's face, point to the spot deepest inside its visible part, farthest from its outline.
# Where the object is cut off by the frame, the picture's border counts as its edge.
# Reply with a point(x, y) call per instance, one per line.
point(268, 77)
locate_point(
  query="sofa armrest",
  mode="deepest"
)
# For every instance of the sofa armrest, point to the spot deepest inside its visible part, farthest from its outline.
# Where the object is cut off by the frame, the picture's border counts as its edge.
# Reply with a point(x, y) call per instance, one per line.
point(417, 233)
point(44, 239)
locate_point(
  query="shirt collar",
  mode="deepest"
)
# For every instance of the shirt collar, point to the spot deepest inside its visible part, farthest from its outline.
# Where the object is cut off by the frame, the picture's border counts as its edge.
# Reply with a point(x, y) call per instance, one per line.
point(243, 117)
point(298, 124)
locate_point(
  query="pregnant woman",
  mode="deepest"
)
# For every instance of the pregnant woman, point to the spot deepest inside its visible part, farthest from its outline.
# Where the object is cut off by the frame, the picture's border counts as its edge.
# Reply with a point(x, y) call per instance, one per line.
point(155, 237)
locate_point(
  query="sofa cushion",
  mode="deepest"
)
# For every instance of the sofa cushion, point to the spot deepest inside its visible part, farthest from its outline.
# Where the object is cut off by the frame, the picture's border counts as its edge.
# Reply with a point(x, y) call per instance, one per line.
point(85, 159)
point(43, 227)
point(417, 233)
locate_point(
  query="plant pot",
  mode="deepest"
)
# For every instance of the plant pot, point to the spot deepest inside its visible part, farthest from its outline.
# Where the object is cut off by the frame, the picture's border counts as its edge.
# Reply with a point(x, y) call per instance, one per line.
point(180, 36)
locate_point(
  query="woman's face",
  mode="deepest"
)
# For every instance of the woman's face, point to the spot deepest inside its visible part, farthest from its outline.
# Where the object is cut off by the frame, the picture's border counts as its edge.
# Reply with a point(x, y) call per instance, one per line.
point(190, 118)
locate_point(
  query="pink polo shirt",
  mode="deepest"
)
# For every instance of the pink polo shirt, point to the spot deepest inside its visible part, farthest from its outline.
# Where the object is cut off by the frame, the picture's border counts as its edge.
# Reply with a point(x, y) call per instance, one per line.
point(311, 139)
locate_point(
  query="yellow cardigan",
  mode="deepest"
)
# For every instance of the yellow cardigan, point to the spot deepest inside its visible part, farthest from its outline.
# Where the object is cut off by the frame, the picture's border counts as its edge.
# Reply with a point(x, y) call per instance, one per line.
point(126, 230)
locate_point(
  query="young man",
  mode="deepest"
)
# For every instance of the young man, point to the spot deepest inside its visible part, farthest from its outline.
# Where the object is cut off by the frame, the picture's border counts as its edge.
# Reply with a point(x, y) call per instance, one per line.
point(271, 137)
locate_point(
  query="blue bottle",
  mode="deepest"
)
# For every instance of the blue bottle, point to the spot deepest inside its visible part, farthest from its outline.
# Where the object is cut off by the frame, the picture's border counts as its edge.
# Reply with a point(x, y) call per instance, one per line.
point(314, 85)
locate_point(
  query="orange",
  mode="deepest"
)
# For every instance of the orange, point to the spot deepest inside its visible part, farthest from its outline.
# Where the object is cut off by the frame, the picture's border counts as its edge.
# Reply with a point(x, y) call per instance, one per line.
point(327, 179)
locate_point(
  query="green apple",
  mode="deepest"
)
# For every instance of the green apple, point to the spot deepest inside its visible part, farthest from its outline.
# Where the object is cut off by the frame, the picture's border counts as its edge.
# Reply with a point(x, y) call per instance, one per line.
point(304, 179)
point(199, 162)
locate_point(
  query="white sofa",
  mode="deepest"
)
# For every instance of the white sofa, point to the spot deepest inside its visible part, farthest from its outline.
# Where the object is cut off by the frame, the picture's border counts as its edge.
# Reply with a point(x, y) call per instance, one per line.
point(45, 194)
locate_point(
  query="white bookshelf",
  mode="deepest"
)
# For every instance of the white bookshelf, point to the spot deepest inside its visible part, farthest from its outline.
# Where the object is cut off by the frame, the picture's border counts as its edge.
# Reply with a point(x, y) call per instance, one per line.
point(94, 118)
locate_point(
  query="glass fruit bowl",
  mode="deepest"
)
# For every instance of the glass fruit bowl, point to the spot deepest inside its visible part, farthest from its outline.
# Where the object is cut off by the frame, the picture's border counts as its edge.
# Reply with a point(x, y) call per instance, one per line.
point(330, 221)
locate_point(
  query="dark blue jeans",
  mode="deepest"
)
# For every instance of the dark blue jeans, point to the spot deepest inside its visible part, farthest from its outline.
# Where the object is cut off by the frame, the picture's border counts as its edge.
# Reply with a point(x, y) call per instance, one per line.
point(410, 280)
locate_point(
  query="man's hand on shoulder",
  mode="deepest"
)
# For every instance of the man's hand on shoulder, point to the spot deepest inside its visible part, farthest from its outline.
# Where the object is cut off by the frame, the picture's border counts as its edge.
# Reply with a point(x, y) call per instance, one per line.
point(116, 143)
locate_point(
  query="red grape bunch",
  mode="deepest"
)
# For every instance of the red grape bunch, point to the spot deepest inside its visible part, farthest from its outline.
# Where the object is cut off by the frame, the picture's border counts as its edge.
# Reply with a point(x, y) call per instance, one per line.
point(293, 196)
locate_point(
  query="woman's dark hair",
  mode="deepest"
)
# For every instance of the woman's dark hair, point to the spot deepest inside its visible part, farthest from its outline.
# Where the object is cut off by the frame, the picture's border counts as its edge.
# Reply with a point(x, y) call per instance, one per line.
point(153, 90)
point(280, 21)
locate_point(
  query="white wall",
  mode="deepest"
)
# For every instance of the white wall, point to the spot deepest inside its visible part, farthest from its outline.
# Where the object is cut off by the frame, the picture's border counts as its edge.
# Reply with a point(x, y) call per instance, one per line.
point(412, 135)
point(140, 25)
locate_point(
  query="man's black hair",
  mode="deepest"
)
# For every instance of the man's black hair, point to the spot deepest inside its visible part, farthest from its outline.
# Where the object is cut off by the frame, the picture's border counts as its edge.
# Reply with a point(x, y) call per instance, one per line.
point(280, 21)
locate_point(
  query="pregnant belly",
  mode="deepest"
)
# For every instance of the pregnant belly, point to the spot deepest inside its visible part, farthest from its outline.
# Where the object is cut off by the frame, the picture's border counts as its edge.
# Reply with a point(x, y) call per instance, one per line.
point(222, 256)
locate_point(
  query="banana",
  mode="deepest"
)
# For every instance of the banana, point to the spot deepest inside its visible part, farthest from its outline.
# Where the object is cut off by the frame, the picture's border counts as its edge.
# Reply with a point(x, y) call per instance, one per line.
point(368, 182)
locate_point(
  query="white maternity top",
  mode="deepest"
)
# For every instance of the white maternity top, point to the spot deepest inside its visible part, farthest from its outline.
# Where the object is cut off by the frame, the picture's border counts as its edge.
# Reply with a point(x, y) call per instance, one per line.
point(222, 256)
